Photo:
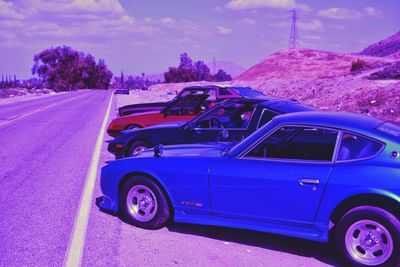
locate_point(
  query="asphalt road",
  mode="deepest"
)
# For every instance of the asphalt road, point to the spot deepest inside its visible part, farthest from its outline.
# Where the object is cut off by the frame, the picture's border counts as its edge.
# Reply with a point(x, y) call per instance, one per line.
point(47, 148)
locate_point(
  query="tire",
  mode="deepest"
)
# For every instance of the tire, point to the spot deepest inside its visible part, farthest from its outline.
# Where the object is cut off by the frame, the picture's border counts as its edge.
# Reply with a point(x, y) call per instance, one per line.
point(369, 236)
point(143, 204)
point(137, 147)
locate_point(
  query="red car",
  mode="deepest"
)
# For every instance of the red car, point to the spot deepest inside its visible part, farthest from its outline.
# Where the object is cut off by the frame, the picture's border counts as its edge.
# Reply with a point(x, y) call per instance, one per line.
point(183, 108)
point(217, 94)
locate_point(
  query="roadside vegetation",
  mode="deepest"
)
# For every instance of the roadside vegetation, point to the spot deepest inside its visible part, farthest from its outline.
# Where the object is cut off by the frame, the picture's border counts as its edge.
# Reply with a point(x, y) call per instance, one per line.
point(391, 72)
point(187, 71)
point(65, 69)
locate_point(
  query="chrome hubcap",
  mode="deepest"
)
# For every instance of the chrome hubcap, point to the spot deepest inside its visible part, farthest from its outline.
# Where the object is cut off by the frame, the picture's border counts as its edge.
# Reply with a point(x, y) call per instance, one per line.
point(141, 203)
point(369, 242)
point(138, 150)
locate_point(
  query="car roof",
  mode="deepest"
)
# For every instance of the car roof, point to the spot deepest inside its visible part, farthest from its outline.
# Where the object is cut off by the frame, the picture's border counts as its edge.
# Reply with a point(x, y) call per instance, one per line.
point(211, 85)
point(351, 122)
point(280, 105)
point(343, 120)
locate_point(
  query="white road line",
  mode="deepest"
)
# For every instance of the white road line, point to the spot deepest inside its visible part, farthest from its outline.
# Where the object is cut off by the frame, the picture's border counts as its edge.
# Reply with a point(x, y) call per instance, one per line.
point(73, 256)
point(38, 110)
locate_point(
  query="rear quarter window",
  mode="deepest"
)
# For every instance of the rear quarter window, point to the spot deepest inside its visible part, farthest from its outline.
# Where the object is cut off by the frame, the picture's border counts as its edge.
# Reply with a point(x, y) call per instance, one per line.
point(353, 147)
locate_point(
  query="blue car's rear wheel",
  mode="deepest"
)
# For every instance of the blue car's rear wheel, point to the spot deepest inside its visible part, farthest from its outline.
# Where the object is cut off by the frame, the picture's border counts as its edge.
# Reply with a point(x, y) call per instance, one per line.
point(143, 203)
point(369, 236)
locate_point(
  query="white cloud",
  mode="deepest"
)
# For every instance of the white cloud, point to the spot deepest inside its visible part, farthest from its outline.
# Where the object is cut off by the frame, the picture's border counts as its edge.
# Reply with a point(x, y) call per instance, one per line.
point(14, 24)
point(313, 38)
point(373, 12)
point(312, 25)
point(247, 21)
point(67, 21)
point(167, 21)
point(113, 6)
point(337, 27)
point(279, 24)
point(224, 30)
point(344, 13)
point(253, 4)
point(219, 9)
point(303, 7)
point(9, 11)
point(339, 13)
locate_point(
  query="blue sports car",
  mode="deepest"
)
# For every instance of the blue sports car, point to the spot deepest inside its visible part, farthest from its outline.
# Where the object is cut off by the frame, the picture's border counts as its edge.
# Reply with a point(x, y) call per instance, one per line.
point(313, 175)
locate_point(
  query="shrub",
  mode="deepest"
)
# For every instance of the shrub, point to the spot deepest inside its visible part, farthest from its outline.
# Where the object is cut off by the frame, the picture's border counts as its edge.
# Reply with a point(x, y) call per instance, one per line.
point(358, 65)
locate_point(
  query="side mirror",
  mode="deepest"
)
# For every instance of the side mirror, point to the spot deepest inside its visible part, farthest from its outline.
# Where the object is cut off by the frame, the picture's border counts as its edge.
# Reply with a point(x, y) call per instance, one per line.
point(224, 133)
point(191, 126)
point(158, 150)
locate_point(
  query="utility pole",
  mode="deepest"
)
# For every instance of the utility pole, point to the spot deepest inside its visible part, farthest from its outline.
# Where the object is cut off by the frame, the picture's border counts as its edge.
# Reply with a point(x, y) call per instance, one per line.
point(214, 65)
point(122, 79)
point(293, 29)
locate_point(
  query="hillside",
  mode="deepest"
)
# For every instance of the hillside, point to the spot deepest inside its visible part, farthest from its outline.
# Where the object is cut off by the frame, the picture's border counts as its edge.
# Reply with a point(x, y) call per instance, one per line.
point(307, 63)
point(323, 79)
point(229, 67)
point(389, 47)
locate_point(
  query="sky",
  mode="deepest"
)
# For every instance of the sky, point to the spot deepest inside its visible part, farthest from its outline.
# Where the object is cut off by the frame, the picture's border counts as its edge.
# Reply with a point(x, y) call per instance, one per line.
point(149, 35)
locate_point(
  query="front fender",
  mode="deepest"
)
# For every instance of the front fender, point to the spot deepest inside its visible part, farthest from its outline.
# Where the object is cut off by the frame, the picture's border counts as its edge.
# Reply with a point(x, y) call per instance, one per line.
point(184, 179)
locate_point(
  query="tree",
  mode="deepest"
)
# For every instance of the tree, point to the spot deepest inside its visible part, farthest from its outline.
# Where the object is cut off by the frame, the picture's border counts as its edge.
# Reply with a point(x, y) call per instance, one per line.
point(222, 76)
point(65, 69)
point(187, 72)
point(186, 61)
point(202, 71)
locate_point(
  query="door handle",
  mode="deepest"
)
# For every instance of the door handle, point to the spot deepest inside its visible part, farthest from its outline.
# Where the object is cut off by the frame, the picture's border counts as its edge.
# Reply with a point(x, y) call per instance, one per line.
point(308, 181)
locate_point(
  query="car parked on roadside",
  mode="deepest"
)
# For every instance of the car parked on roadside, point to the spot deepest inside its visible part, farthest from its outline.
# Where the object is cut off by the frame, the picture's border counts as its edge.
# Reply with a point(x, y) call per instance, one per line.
point(121, 92)
point(313, 175)
point(239, 117)
point(182, 109)
point(216, 92)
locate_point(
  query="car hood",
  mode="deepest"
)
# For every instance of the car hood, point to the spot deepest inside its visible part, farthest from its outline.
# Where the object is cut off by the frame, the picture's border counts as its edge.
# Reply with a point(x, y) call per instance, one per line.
point(167, 125)
point(172, 124)
point(211, 149)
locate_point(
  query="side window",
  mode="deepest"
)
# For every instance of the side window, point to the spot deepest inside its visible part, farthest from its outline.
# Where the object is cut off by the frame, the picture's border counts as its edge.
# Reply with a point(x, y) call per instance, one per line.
point(234, 116)
point(266, 116)
point(224, 92)
point(297, 143)
point(211, 95)
point(357, 147)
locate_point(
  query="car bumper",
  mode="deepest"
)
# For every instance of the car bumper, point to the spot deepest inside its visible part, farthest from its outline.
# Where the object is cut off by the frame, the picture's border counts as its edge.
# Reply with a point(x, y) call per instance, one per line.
point(116, 149)
point(113, 133)
point(109, 188)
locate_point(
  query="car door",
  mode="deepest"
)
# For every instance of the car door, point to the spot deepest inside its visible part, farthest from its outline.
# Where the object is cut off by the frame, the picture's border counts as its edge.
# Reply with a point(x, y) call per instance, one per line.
point(279, 180)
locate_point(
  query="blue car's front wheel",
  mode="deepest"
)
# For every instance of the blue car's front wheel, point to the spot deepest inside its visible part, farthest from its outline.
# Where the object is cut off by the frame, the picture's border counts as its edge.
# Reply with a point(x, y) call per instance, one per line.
point(143, 204)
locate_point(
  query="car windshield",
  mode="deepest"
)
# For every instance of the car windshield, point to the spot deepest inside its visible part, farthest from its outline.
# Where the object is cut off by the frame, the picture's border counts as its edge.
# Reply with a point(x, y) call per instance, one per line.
point(188, 100)
point(247, 92)
point(390, 128)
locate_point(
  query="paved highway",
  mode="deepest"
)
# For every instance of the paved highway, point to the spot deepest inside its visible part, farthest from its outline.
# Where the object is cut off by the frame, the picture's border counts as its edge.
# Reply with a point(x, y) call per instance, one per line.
point(47, 157)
